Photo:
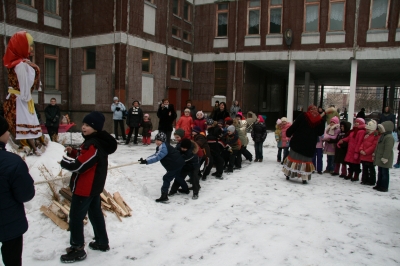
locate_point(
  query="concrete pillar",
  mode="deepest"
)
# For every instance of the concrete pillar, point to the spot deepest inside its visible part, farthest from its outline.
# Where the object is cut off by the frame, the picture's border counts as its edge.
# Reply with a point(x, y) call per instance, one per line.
point(391, 96)
point(290, 96)
point(316, 92)
point(306, 90)
point(385, 95)
point(353, 85)
point(321, 101)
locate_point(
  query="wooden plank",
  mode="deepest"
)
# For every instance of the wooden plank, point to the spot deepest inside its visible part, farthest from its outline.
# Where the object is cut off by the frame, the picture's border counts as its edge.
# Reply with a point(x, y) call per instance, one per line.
point(56, 210)
point(117, 197)
point(116, 207)
point(61, 207)
point(60, 223)
point(103, 197)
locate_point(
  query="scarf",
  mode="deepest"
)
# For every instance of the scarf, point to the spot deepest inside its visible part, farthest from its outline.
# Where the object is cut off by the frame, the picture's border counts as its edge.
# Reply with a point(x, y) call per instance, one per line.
point(312, 116)
point(17, 50)
point(331, 129)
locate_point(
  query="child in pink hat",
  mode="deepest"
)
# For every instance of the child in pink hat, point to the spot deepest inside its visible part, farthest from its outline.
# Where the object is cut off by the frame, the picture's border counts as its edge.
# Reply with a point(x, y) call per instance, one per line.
point(331, 133)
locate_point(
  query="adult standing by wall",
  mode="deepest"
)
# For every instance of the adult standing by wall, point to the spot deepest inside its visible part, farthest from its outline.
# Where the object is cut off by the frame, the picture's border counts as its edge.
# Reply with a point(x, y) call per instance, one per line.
point(118, 110)
point(235, 108)
point(361, 114)
point(53, 114)
point(167, 115)
point(221, 113)
point(304, 133)
point(387, 115)
point(215, 109)
point(134, 120)
point(192, 109)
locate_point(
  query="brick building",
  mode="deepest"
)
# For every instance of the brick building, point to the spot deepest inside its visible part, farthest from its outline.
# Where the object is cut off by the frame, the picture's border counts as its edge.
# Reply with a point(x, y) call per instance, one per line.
point(255, 51)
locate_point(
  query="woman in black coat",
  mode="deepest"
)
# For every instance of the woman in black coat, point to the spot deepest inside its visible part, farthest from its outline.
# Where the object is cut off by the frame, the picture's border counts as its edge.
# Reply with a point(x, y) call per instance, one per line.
point(167, 115)
point(133, 120)
point(304, 133)
point(387, 115)
point(222, 113)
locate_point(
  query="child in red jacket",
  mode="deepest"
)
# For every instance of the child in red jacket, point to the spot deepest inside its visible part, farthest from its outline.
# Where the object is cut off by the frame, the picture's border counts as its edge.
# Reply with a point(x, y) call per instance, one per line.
point(185, 122)
point(200, 121)
point(367, 148)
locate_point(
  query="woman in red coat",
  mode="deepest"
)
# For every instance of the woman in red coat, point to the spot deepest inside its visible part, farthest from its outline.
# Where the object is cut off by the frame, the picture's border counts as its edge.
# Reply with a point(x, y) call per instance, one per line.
point(367, 148)
point(354, 141)
point(185, 122)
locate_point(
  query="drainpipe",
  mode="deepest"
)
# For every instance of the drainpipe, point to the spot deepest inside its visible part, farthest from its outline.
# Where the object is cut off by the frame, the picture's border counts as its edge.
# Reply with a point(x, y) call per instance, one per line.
point(113, 52)
point(234, 67)
point(5, 47)
point(192, 40)
point(127, 51)
point(70, 59)
point(355, 45)
point(166, 51)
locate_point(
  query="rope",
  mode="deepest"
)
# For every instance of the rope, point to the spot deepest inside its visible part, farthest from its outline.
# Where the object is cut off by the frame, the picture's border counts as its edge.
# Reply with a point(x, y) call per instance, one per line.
point(64, 177)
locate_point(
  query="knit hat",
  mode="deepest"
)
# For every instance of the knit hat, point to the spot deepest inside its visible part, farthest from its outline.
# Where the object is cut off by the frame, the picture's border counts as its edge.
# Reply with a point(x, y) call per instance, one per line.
point(335, 120)
point(180, 132)
point(278, 122)
point(3, 125)
point(210, 122)
point(186, 143)
point(95, 120)
point(216, 102)
point(161, 136)
point(229, 121)
point(284, 119)
point(200, 113)
point(146, 115)
point(136, 101)
point(240, 114)
point(371, 125)
point(360, 121)
point(261, 119)
point(115, 98)
point(187, 110)
point(196, 129)
point(231, 129)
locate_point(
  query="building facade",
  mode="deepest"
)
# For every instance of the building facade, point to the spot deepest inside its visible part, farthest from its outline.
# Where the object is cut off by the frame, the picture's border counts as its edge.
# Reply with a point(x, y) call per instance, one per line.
point(254, 51)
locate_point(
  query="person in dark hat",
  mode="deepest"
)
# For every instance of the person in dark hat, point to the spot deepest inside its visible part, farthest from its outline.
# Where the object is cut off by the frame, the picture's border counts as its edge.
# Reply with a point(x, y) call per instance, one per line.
point(16, 187)
point(89, 173)
point(134, 120)
point(215, 109)
point(361, 114)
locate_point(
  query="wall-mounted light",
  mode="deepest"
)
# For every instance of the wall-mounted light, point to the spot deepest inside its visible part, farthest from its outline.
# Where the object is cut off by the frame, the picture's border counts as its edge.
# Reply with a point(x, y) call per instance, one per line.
point(288, 37)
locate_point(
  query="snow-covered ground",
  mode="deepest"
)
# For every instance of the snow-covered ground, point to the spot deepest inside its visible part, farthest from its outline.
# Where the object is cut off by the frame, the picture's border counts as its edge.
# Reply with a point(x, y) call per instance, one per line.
point(252, 217)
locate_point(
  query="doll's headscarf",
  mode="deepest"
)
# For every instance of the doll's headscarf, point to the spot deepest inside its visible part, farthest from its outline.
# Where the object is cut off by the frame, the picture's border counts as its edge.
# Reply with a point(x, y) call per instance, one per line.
point(17, 49)
point(312, 116)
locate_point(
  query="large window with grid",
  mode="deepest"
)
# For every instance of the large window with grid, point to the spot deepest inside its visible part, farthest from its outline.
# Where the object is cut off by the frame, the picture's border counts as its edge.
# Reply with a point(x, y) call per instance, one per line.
point(311, 16)
point(379, 14)
point(51, 6)
point(187, 11)
point(253, 17)
point(175, 7)
point(222, 20)
point(221, 78)
point(275, 16)
point(146, 62)
point(174, 67)
point(50, 68)
point(336, 15)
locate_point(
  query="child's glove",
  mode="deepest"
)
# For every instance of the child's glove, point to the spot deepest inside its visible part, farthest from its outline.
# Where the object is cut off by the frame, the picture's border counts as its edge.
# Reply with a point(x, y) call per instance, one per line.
point(384, 161)
point(362, 152)
point(142, 161)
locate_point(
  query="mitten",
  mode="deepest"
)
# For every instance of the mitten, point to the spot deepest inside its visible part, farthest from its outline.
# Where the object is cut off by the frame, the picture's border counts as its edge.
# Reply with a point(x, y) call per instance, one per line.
point(363, 152)
point(384, 161)
point(117, 108)
point(356, 155)
point(373, 157)
point(142, 161)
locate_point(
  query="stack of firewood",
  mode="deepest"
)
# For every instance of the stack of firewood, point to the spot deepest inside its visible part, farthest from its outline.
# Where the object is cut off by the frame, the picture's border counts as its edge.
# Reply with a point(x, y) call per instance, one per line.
point(58, 211)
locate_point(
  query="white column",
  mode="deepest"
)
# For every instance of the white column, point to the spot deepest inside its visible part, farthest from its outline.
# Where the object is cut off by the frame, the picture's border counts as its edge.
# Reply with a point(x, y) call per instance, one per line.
point(353, 84)
point(306, 90)
point(290, 97)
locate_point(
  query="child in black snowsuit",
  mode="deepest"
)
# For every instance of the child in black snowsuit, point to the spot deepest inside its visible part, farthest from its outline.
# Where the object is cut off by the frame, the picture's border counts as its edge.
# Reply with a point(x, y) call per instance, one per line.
point(214, 132)
point(201, 140)
point(233, 145)
point(89, 170)
point(147, 129)
point(172, 161)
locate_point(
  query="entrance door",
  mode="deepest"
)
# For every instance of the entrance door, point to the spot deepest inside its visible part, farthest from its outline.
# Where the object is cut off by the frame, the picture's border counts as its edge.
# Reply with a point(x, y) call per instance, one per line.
point(184, 97)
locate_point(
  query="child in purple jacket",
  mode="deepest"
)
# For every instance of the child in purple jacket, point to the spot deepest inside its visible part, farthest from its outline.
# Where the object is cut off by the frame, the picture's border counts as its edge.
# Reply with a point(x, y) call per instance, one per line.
point(331, 132)
point(317, 159)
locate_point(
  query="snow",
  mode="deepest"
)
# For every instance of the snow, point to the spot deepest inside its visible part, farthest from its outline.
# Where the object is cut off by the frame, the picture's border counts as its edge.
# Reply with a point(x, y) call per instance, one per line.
point(252, 217)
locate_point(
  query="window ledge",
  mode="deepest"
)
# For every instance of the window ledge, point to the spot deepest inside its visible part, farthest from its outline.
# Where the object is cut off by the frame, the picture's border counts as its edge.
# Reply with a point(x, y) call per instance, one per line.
point(88, 72)
point(335, 33)
point(274, 39)
point(310, 34)
point(175, 37)
point(252, 40)
point(175, 78)
point(27, 8)
point(274, 35)
point(252, 36)
point(187, 21)
point(186, 80)
point(220, 42)
point(178, 17)
point(52, 92)
point(378, 35)
point(335, 37)
point(187, 42)
point(310, 38)
point(375, 31)
point(52, 15)
point(149, 75)
point(150, 4)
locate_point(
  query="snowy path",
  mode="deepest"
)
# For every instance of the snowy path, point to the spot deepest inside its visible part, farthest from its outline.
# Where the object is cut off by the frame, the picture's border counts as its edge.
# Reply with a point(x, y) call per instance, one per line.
point(252, 217)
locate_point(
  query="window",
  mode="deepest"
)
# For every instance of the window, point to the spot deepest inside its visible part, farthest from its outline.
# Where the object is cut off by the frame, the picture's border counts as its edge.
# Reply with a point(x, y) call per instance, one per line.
point(175, 32)
point(379, 14)
point(186, 36)
point(221, 78)
point(90, 58)
point(253, 16)
point(275, 16)
point(336, 15)
point(51, 6)
point(150, 1)
point(222, 20)
point(174, 67)
point(26, 2)
point(185, 69)
point(175, 7)
point(187, 10)
point(50, 68)
point(311, 16)
point(146, 62)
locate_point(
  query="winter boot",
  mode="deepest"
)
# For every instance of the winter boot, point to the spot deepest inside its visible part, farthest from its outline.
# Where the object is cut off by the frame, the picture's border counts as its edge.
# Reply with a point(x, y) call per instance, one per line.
point(305, 182)
point(183, 191)
point(195, 196)
point(204, 178)
point(349, 176)
point(163, 198)
point(96, 246)
point(355, 178)
point(74, 254)
point(172, 192)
